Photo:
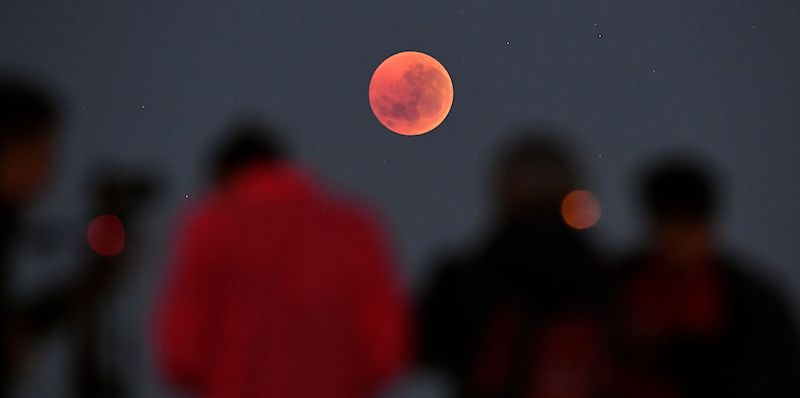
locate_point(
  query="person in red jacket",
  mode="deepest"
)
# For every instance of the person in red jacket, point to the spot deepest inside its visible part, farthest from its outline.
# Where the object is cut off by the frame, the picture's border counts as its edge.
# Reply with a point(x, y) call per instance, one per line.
point(279, 288)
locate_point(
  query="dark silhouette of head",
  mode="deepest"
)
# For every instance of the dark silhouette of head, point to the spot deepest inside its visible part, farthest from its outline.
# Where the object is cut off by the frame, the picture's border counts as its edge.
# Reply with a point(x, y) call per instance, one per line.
point(532, 176)
point(680, 199)
point(120, 191)
point(29, 119)
point(679, 189)
point(248, 141)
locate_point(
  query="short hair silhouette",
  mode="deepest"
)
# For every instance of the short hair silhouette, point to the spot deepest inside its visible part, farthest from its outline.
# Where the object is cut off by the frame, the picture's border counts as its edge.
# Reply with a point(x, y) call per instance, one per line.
point(249, 142)
point(27, 110)
point(681, 189)
point(533, 173)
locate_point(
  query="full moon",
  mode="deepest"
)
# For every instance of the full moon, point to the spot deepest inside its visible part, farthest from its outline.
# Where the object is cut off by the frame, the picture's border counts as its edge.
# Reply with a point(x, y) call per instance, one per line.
point(411, 93)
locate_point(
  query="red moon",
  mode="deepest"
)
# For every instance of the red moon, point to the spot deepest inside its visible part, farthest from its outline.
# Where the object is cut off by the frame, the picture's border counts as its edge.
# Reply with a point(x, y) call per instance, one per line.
point(411, 93)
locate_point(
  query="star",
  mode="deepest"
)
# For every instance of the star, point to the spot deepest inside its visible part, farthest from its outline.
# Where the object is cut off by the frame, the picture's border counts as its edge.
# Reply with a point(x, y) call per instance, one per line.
point(600, 36)
point(508, 43)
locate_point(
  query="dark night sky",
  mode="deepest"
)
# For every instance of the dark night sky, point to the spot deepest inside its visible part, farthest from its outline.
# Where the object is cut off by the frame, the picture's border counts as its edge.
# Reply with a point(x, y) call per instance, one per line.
point(152, 82)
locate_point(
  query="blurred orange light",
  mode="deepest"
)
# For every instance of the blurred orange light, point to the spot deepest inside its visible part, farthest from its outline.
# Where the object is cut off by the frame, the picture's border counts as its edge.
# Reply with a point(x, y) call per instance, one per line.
point(580, 209)
point(106, 235)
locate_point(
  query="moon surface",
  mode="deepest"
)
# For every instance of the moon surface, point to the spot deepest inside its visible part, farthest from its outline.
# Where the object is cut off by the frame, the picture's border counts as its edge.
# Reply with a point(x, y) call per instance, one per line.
point(411, 93)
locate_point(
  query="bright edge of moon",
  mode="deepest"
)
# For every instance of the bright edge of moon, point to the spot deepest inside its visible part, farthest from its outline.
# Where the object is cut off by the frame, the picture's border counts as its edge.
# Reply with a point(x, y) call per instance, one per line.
point(411, 93)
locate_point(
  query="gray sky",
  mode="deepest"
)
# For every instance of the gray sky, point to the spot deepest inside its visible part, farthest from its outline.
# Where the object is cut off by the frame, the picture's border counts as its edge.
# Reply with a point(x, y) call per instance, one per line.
point(151, 83)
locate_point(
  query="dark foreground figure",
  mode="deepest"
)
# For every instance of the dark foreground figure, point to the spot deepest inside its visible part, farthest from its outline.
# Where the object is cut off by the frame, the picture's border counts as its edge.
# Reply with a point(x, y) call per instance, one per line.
point(692, 321)
point(279, 288)
point(520, 315)
point(29, 120)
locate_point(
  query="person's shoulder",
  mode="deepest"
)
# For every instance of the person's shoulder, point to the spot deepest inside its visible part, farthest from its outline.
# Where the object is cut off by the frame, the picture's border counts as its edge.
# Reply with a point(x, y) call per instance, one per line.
point(740, 268)
point(207, 212)
point(352, 217)
point(452, 276)
point(351, 210)
point(455, 266)
point(756, 288)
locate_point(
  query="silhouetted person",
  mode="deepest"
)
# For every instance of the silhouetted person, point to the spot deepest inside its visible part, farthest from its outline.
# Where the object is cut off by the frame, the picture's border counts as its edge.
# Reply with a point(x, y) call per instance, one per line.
point(519, 315)
point(29, 118)
point(693, 322)
point(124, 195)
point(279, 288)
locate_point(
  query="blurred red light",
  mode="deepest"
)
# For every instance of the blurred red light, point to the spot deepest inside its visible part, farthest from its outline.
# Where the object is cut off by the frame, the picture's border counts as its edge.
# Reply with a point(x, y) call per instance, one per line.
point(580, 209)
point(106, 235)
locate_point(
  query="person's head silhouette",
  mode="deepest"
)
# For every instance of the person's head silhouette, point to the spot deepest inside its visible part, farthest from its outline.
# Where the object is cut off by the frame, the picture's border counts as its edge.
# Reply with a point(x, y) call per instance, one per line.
point(680, 200)
point(532, 176)
point(248, 141)
point(29, 118)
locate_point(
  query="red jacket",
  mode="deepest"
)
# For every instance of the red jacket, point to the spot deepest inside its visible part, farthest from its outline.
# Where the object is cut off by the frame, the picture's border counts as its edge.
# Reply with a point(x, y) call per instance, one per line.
point(279, 290)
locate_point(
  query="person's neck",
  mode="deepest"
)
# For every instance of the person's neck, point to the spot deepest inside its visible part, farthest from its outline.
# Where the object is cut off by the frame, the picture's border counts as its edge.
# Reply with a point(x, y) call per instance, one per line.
point(669, 259)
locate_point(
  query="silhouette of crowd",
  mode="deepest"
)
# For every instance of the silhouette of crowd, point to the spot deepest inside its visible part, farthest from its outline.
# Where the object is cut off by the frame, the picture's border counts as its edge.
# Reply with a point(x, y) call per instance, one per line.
point(279, 286)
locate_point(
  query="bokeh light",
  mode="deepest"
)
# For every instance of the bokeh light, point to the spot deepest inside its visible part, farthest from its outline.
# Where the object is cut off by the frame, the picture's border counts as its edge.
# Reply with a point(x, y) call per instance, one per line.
point(580, 209)
point(106, 235)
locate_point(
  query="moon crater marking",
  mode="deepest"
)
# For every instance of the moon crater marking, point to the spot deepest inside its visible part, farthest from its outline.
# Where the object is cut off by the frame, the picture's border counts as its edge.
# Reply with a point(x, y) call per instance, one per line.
point(411, 93)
